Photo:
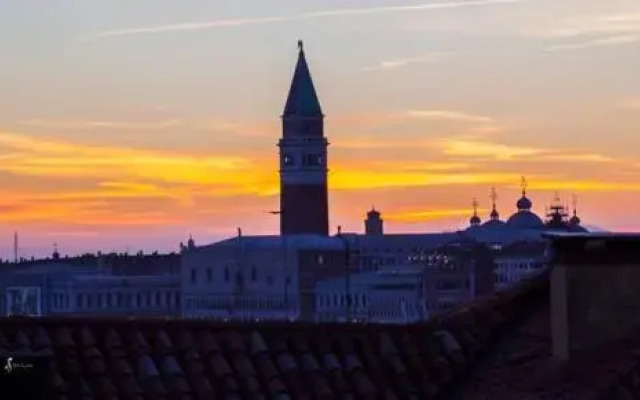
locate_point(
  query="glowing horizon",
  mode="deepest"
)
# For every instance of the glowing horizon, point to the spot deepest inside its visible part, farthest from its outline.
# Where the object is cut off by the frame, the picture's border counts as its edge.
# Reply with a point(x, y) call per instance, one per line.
point(134, 131)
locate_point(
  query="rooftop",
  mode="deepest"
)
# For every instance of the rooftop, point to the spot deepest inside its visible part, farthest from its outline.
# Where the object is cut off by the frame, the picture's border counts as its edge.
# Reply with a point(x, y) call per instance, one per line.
point(498, 347)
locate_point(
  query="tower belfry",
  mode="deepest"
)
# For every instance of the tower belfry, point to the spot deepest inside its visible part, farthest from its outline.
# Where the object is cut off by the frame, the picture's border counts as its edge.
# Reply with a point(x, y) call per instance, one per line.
point(304, 207)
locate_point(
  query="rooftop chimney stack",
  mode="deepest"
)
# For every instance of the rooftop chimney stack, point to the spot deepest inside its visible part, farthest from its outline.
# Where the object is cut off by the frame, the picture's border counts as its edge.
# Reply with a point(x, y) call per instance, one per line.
point(595, 282)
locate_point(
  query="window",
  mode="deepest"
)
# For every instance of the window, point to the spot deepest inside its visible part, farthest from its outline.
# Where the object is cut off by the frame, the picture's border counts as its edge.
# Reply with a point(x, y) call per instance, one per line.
point(209, 275)
point(287, 159)
point(108, 299)
point(193, 275)
point(313, 159)
point(79, 301)
point(158, 299)
point(270, 280)
point(253, 273)
point(226, 274)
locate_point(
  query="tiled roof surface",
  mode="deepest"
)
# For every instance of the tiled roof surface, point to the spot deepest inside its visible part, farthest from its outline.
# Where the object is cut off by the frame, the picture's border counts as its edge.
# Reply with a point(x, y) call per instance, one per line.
point(181, 359)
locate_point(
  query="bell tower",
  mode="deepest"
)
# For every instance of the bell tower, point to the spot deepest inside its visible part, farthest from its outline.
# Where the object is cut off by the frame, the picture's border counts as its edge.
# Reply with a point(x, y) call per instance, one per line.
point(304, 204)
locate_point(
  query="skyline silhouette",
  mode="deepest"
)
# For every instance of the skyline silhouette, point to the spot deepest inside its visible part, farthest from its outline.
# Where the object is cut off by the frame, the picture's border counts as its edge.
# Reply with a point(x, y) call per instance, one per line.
point(133, 131)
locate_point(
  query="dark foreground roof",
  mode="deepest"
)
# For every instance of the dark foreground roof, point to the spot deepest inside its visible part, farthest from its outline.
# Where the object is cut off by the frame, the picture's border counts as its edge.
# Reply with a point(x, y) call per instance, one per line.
point(495, 348)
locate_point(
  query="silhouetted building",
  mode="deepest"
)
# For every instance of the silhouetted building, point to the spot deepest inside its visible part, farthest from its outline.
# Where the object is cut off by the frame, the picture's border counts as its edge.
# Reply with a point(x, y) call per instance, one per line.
point(304, 204)
point(373, 225)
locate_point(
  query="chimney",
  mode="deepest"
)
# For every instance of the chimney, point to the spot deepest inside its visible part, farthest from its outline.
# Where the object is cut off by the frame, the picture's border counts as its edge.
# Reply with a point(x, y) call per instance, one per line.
point(595, 281)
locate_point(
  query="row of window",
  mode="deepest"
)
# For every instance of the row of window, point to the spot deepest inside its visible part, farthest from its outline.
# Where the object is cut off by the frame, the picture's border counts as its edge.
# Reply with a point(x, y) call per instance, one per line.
point(164, 298)
point(360, 300)
point(240, 303)
point(227, 276)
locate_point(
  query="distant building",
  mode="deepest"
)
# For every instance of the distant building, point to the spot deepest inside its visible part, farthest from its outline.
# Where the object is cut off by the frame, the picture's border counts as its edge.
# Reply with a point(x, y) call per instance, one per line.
point(258, 277)
point(388, 295)
point(519, 260)
point(457, 273)
point(108, 284)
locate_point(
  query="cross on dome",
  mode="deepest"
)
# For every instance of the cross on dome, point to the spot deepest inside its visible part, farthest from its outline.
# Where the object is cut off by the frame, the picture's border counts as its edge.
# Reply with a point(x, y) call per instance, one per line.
point(493, 196)
point(523, 185)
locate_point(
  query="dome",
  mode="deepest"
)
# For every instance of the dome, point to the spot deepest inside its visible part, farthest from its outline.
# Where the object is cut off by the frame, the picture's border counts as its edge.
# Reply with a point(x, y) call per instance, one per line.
point(575, 220)
point(373, 213)
point(525, 220)
point(475, 220)
point(524, 203)
point(494, 223)
point(494, 214)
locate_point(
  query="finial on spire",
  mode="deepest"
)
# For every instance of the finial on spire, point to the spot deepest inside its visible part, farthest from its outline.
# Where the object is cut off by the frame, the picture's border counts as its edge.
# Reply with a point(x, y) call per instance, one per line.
point(474, 203)
point(523, 185)
point(556, 197)
point(574, 201)
point(493, 196)
point(300, 45)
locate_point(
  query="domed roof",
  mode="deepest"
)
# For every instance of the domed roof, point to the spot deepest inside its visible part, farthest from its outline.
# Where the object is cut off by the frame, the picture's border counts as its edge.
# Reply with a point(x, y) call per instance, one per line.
point(525, 219)
point(475, 220)
point(373, 212)
point(524, 203)
point(494, 214)
point(575, 220)
point(493, 223)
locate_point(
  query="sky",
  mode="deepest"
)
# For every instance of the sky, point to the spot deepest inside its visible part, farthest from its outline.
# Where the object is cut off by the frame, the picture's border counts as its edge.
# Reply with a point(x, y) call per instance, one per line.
point(128, 125)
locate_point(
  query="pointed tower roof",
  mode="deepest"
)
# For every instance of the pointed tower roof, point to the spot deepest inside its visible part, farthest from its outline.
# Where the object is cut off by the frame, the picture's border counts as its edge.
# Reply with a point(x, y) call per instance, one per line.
point(302, 100)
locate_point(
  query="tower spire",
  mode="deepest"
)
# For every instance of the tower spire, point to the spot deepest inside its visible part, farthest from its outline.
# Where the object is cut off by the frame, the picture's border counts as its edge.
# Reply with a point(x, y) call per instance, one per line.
point(475, 220)
point(304, 204)
point(494, 211)
point(302, 100)
point(524, 185)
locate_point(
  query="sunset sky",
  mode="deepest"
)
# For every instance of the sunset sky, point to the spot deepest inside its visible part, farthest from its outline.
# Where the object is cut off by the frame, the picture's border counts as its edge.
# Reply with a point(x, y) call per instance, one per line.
point(130, 124)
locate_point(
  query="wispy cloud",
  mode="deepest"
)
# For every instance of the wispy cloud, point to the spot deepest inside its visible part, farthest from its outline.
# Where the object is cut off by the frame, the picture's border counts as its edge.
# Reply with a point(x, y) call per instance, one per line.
point(448, 116)
point(608, 41)
point(86, 125)
point(595, 31)
point(225, 23)
point(253, 129)
point(403, 62)
point(484, 150)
